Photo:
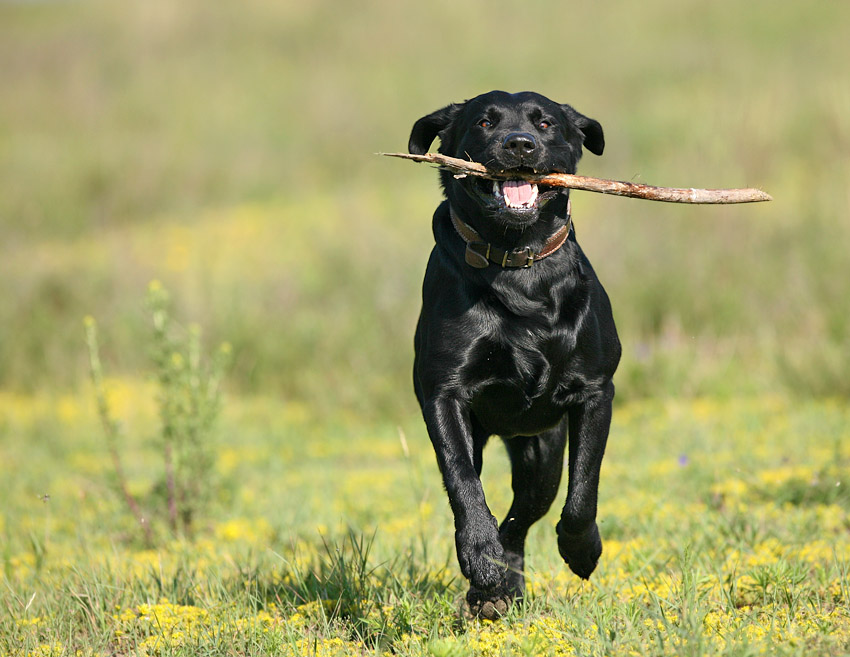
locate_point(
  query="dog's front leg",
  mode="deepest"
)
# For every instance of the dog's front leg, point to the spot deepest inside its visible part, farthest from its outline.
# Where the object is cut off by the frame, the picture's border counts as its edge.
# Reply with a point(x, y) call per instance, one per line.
point(479, 552)
point(578, 535)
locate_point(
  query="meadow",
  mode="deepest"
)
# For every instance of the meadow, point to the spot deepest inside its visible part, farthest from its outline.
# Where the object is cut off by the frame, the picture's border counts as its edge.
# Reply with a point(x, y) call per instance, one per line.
point(227, 150)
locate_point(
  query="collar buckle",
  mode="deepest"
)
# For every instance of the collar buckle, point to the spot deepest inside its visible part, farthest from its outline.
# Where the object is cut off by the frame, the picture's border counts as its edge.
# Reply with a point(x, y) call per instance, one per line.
point(480, 254)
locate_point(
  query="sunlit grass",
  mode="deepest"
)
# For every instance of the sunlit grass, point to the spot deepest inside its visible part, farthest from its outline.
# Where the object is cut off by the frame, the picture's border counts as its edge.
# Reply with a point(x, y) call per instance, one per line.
point(725, 526)
point(227, 150)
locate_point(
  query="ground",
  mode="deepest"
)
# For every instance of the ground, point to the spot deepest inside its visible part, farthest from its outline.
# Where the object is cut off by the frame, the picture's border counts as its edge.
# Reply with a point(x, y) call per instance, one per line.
point(725, 525)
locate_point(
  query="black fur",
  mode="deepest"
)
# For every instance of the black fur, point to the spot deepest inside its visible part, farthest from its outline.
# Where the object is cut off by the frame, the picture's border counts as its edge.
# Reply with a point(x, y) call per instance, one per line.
point(525, 354)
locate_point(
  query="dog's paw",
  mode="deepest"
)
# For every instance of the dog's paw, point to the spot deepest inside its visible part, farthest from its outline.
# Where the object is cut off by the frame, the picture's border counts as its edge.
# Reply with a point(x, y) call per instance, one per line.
point(482, 559)
point(581, 551)
point(490, 605)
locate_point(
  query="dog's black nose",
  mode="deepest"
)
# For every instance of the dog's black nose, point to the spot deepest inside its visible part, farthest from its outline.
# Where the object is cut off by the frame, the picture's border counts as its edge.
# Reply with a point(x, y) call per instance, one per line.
point(519, 143)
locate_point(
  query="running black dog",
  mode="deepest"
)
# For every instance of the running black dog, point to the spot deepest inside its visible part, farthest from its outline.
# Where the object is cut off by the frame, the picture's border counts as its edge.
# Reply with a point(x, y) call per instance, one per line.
point(516, 337)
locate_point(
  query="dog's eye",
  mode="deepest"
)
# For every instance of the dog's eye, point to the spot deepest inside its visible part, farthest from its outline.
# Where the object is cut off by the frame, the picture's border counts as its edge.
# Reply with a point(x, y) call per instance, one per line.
point(485, 123)
point(544, 124)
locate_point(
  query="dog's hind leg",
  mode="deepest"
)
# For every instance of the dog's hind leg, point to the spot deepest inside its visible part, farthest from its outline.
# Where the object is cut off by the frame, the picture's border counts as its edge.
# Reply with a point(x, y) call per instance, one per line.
point(536, 466)
point(578, 535)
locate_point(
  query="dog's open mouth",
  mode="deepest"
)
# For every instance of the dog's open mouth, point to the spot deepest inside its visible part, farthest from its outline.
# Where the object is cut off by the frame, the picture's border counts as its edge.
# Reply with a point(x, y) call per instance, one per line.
point(516, 194)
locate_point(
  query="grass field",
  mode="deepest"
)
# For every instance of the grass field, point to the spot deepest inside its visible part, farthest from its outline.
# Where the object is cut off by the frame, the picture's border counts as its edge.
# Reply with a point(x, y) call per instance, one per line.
point(725, 527)
point(227, 150)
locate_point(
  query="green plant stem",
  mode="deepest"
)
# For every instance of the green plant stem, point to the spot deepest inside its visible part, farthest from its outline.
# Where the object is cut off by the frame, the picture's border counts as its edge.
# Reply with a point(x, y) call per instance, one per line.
point(111, 430)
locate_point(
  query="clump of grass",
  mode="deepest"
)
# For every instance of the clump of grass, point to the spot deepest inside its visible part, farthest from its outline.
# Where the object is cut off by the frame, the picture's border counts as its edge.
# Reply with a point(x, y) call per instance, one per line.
point(376, 602)
point(189, 401)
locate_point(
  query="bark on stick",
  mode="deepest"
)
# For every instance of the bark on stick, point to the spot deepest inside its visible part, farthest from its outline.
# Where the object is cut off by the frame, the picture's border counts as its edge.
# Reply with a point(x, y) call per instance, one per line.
point(600, 185)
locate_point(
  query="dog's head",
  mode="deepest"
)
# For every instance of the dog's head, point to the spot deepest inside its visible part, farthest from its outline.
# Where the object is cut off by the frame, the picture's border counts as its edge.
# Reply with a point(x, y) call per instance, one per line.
point(523, 132)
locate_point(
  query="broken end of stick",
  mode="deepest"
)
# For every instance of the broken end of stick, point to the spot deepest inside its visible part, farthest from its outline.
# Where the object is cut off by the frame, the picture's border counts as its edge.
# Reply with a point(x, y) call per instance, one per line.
point(750, 195)
point(406, 156)
point(432, 158)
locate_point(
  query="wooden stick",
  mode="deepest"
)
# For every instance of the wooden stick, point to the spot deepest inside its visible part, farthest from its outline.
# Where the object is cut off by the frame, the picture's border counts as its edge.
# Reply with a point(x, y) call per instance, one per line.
point(586, 183)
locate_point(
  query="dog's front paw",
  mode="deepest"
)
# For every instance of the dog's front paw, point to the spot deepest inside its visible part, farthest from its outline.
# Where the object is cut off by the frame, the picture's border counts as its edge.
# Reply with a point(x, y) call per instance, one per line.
point(481, 558)
point(581, 551)
point(490, 605)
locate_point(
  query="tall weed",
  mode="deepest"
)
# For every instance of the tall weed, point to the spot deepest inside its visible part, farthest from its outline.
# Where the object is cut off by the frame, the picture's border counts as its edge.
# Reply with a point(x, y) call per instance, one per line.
point(189, 401)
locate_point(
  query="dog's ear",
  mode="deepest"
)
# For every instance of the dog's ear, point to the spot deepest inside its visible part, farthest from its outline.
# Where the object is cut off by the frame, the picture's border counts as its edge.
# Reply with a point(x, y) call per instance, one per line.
point(594, 139)
point(428, 128)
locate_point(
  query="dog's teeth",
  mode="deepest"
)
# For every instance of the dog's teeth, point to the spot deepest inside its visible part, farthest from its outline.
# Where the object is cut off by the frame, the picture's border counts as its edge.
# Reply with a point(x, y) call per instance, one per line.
point(519, 194)
point(496, 189)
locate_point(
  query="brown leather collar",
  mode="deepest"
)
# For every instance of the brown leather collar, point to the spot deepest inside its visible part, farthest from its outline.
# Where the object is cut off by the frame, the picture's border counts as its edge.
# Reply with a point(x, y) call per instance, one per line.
point(480, 254)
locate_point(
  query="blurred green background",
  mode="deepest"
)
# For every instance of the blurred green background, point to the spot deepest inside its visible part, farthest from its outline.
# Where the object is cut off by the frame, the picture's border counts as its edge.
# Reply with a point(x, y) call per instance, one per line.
point(227, 149)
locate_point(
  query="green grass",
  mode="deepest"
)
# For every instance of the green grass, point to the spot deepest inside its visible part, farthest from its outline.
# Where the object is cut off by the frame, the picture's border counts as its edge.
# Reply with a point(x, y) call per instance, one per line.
point(227, 149)
point(131, 136)
point(725, 527)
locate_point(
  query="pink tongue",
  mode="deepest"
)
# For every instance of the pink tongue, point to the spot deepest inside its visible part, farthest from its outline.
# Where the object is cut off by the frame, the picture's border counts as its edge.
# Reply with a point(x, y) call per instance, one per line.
point(517, 192)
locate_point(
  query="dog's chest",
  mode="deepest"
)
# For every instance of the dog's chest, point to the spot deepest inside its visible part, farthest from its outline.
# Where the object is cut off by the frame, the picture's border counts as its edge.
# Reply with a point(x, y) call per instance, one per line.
point(522, 379)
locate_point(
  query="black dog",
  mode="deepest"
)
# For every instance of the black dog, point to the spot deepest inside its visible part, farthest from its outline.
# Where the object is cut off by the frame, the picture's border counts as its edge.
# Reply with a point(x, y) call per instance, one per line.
point(516, 337)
